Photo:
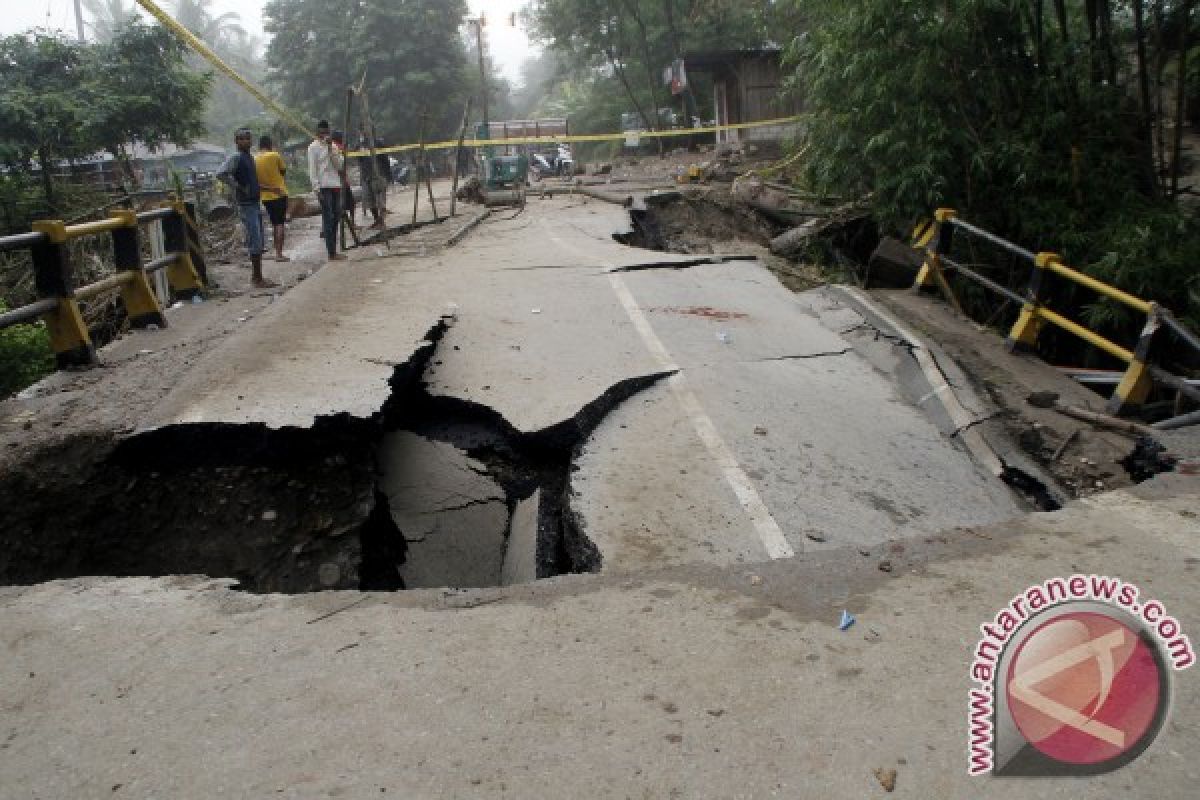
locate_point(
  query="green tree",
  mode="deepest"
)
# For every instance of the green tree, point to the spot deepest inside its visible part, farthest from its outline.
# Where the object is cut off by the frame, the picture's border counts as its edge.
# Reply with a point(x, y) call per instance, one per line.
point(107, 17)
point(623, 45)
point(46, 113)
point(140, 89)
point(413, 55)
point(216, 30)
point(1033, 119)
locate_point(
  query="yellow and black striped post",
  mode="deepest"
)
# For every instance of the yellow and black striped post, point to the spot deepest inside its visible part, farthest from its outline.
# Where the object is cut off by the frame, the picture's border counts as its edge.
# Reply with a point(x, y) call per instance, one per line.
point(1137, 381)
point(141, 304)
point(1024, 333)
point(69, 336)
point(181, 274)
point(195, 250)
point(937, 239)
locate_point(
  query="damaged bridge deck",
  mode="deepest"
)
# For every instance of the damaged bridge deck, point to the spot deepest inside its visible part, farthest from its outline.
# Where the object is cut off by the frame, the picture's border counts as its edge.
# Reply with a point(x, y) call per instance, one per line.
point(631, 409)
point(738, 464)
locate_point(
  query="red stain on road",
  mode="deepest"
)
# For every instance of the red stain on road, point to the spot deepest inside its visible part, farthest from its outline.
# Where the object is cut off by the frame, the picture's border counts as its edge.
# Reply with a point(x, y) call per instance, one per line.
point(703, 311)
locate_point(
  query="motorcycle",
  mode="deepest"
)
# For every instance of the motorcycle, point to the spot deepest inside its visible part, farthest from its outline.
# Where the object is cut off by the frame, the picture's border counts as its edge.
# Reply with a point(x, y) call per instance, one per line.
point(540, 167)
point(400, 173)
point(565, 162)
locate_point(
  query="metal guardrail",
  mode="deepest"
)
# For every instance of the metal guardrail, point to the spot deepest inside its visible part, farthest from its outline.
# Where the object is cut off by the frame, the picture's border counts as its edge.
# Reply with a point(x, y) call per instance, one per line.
point(58, 298)
point(1135, 384)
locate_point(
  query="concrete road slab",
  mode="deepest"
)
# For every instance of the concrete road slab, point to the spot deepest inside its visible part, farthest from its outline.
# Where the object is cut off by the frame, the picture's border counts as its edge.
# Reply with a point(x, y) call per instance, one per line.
point(648, 493)
point(452, 515)
point(329, 347)
point(692, 682)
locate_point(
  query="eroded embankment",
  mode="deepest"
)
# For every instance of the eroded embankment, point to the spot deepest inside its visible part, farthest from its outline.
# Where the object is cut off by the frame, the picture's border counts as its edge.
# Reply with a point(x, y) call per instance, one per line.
point(349, 503)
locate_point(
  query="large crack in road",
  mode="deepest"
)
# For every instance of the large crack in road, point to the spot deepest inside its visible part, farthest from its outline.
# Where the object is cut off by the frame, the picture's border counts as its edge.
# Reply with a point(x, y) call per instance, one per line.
point(348, 503)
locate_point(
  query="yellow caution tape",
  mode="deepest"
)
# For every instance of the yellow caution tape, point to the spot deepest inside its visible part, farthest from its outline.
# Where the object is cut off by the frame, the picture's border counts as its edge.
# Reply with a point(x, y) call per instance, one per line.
point(583, 137)
point(200, 47)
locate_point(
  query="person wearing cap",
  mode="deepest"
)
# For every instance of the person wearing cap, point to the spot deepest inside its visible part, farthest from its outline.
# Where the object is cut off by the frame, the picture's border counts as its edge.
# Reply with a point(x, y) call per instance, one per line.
point(325, 164)
point(240, 175)
point(271, 169)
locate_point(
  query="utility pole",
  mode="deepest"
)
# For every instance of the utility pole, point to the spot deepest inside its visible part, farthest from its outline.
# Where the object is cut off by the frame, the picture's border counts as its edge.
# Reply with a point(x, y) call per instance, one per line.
point(483, 83)
point(79, 19)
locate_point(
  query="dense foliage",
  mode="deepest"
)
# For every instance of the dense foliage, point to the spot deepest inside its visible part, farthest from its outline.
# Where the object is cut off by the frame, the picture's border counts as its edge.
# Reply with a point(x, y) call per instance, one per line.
point(25, 355)
point(64, 100)
point(413, 55)
point(606, 57)
point(1050, 123)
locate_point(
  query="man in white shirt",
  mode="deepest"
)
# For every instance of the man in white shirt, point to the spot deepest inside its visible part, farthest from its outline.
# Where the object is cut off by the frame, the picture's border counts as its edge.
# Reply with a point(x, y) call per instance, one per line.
point(325, 163)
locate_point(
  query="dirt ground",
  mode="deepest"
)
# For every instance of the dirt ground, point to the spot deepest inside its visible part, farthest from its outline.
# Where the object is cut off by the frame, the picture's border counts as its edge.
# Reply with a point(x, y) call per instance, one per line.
point(1089, 459)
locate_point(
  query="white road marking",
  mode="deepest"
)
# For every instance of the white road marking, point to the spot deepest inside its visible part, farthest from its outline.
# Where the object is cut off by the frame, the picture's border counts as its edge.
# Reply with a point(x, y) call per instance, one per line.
point(768, 530)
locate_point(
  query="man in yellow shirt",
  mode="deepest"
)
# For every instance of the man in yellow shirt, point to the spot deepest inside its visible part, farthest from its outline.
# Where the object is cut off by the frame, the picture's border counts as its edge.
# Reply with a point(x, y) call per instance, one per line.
point(271, 169)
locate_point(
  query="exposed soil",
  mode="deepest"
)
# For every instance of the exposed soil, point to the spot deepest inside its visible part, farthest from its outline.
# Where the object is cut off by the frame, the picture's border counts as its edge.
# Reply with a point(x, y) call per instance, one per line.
point(709, 220)
point(1090, 460)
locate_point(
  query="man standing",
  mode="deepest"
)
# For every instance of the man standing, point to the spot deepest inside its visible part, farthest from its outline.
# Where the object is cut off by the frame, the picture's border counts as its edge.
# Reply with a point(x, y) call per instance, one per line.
point(239, 174)
point(325, 163)
point(270, 169)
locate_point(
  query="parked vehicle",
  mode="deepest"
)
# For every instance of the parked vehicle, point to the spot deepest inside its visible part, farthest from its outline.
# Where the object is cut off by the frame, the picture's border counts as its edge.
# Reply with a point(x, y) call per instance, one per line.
point(539, 167)
point(400, 172)
point(564, 162)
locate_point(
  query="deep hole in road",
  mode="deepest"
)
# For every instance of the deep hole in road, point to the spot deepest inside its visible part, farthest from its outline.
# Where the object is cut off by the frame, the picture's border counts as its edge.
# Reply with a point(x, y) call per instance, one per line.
point(429, 491)
point(678, 222)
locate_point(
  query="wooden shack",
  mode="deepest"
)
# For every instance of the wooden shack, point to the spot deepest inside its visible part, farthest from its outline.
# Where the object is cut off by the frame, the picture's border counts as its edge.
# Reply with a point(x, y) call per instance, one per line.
point(747, 87)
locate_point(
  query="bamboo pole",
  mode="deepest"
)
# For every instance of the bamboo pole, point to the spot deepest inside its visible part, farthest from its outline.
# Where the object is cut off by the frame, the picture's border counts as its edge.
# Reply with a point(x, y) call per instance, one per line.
point(420, 157)
point(462, 134)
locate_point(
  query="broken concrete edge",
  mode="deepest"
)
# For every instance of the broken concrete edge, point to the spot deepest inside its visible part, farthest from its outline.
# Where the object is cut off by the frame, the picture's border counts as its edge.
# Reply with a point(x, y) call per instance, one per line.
point(467, 227)
point(683, 263)
point(388, 234)
point(1025, 477)
point(580, 547)
point(267, 507)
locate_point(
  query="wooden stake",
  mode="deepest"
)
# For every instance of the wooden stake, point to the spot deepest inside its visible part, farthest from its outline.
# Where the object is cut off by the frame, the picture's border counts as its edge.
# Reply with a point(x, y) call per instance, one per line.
point(420, 157)
point(462, 134)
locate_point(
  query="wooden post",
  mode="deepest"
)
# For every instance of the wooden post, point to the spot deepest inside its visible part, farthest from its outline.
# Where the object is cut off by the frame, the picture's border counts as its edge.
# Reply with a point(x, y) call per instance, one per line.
point(417, 161)
point(462, 134)
point(429, 187)
point(369, 124)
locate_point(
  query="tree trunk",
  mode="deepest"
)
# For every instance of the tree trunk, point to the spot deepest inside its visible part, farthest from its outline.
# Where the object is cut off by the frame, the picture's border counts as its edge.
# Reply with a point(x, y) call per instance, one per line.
point(1060, 10)
point(1160, 68)
point(647, 62)
point(1180, 93)
point(47, 180)
point(1146, 121)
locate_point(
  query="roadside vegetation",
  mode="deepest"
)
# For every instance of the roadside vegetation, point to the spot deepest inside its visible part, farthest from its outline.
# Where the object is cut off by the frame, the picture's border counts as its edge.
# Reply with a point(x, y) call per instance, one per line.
point(1050, 123)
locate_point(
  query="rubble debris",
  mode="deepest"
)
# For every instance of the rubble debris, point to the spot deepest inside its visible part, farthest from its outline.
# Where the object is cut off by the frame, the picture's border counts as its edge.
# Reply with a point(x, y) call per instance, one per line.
point(1149, 458)
point(893, 265)
point(1050, 400)
point(846, 621)
point(847, 230)
point(886, 778)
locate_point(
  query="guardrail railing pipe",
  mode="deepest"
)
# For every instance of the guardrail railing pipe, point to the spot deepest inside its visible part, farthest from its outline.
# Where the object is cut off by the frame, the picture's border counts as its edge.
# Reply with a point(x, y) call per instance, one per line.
point(69, 336)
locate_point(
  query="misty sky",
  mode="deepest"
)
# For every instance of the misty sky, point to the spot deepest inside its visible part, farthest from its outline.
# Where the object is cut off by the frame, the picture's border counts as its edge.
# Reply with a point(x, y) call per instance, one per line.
point(508, 46)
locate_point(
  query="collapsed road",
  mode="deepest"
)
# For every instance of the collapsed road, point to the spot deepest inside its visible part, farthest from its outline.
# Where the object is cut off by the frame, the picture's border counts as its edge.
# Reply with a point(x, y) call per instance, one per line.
point(689, 412)
point(735, 462)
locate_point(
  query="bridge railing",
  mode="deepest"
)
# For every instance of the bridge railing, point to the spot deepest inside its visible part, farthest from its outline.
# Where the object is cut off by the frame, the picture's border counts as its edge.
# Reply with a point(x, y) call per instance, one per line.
point(58, 297)
point(937, 237)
